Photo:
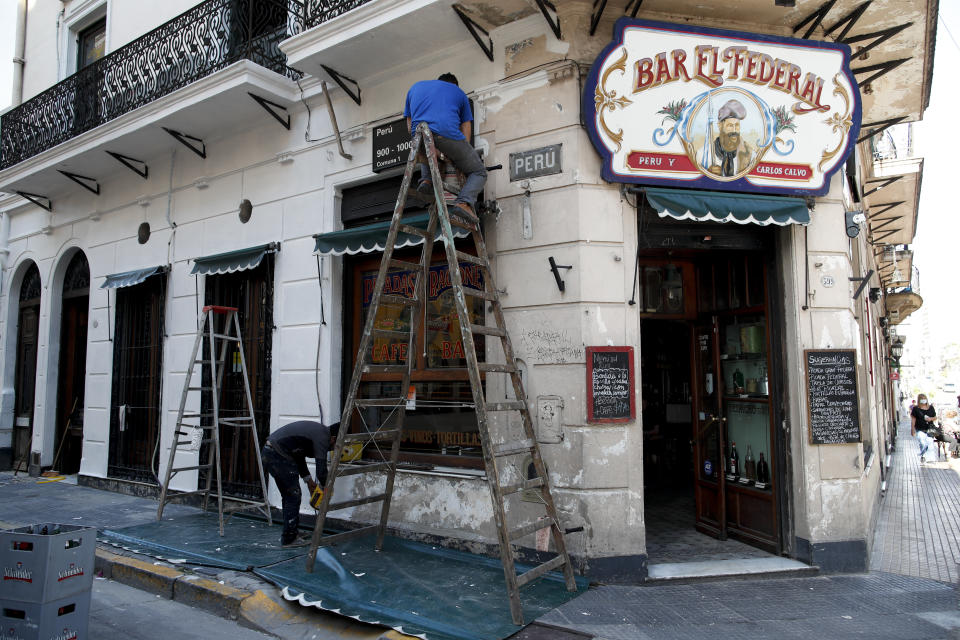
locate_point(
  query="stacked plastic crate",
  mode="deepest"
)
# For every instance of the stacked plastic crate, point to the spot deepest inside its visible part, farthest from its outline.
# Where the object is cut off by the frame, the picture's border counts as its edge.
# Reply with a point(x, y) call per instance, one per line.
point(47, 579)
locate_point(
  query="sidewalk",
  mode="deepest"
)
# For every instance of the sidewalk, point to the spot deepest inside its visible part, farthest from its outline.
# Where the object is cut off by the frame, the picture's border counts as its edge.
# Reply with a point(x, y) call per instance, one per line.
point(912, 590)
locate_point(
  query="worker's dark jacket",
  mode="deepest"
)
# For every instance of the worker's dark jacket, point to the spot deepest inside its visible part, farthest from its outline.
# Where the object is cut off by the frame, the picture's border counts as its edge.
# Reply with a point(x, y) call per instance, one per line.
point(300, 440)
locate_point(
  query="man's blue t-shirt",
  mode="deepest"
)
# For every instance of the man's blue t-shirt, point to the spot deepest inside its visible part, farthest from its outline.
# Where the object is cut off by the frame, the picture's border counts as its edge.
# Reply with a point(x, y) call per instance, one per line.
point(441, 104)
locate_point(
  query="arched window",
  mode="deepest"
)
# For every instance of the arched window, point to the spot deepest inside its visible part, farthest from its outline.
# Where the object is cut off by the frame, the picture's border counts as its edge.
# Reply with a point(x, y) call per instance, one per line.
point(76, 282)
point(30, 289)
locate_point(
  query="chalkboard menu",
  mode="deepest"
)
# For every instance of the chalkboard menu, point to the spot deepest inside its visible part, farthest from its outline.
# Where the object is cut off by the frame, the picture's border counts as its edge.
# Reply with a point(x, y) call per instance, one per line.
point(832, 404)
point(610, 396)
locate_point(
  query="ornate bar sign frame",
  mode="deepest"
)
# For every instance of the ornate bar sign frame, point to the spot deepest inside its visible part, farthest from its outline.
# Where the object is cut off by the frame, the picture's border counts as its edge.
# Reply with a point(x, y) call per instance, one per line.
point(678, 105)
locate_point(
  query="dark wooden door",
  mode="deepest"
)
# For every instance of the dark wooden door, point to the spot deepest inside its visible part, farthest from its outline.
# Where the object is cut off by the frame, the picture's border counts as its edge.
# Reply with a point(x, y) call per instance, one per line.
point(251, 292)
point(708, 438)
point(71, 379)
point(137, 374)
point(25, 378)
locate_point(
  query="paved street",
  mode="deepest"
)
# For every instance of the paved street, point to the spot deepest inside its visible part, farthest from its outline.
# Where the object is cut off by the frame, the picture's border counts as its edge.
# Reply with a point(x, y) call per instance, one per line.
point(118, 611)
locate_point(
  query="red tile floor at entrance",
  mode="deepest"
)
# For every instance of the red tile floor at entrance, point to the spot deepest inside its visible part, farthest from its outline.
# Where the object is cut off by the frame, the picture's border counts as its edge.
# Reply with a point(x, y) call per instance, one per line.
point(918, 529)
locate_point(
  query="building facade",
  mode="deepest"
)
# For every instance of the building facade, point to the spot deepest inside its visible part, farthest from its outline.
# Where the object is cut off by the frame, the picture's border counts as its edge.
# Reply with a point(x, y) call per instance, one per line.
point(243, 152)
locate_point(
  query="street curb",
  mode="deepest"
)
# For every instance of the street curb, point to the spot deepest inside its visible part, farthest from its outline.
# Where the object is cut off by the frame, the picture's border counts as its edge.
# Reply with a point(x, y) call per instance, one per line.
point(257, 610)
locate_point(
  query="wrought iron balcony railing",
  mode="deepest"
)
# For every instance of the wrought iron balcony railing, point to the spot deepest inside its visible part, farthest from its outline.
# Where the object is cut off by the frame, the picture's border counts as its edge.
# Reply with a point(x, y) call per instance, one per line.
point(195, 44)
point(319, 11)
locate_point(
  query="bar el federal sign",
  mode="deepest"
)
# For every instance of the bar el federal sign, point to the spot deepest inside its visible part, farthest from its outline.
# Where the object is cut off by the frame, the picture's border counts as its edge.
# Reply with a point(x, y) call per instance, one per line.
point(675, 105)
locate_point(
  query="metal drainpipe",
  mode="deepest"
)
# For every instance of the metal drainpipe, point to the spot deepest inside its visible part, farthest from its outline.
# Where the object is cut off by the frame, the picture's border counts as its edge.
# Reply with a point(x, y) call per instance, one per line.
point(19, 51)
point(4, 243)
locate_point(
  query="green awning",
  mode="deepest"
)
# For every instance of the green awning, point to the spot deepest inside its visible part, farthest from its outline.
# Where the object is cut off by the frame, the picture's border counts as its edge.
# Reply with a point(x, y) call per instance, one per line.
point(231, 261)
point(373, 237)
point(741, 208)
point(130, 278)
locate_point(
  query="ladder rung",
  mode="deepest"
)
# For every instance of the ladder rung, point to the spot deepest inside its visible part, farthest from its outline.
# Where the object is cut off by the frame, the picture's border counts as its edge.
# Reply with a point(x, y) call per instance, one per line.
point(237, 422)
point(183, 442)
point(199, 388)
point(540, 523)
point(346, 504)
point(406, 265)
point(510, 489)
point(539, 570)
point(223, 336)
point(505, 406)
point(198, 415)
point(384, 368)
point(376, 435)
point(391, 333)
point(364, 468)
point(386, 298)
point(466, 257)
point(524, 446)
point(193, 468)
point(173, 494)
point(347, 535)
point(488, 331)
point(496, 368)
point(423, 233)
point(379, 402)
point(479, 293)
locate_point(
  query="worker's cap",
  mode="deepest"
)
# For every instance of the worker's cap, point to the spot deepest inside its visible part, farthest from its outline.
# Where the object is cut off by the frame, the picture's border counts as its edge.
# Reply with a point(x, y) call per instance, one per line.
point(732, 109)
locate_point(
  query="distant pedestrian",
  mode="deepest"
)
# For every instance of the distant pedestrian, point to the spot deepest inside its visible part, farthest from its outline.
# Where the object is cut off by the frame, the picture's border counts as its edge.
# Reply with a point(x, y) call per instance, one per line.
point(920, 418)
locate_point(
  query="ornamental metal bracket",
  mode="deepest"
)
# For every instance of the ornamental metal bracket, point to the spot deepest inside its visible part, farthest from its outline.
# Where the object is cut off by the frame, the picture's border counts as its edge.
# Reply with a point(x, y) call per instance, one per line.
point(864, 281)
point(633, 6)
point(83, 181)
point(475, 31)
point(886, 182)
point(881, 68)
point(552, 20)
point(131, 163)
point(599, 6)
point(35, 199)
point(273, 109)
point(877, 127)
point(341, 80)
point(187, 141)
point(555, 268)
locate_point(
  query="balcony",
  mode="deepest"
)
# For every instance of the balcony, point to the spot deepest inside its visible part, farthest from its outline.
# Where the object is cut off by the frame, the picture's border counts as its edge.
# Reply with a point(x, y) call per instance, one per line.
point(115, 95)
point(359, 39)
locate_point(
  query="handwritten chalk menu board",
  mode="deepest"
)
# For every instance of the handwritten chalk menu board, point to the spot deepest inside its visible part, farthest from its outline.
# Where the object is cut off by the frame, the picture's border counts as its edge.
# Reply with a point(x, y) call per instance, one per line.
point(610, 396)
point(832, 404)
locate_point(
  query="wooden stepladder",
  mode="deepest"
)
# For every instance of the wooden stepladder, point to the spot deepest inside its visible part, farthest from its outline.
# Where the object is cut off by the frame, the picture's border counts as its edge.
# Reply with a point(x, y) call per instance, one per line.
point(207, 424)
point(391, 434)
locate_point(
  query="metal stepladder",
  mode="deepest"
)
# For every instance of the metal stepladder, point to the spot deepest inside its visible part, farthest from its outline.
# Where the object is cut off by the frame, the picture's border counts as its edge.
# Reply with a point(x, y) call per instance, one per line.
point(207, 424)
point(392, 434)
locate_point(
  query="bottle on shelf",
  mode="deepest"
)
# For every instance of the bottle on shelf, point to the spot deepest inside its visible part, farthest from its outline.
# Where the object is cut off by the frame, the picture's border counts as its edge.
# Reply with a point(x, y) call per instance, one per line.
point(763, 471)
point(750, 465)
point(734, 469)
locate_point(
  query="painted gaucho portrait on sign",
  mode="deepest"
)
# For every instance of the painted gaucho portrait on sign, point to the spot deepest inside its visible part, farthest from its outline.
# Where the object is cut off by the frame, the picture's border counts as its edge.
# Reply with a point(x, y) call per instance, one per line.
point(725, 134)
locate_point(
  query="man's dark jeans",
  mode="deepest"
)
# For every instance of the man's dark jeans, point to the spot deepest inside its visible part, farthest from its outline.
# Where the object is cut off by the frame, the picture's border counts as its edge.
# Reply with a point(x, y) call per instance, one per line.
point(467, 160)
point(284, 472)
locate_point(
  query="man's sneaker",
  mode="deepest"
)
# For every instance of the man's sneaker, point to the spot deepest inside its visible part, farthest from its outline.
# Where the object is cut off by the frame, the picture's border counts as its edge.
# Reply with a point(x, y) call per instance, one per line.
point(425, 188)
point(301, 540)
point(464, 211)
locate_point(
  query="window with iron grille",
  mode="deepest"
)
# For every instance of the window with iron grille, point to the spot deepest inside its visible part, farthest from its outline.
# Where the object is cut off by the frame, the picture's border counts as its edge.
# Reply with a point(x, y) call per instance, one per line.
point(135, 410)
point(251, 292)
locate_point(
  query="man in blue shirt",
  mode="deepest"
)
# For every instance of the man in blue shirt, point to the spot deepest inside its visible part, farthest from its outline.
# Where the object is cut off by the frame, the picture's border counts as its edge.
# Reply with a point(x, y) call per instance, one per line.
point(445, 108)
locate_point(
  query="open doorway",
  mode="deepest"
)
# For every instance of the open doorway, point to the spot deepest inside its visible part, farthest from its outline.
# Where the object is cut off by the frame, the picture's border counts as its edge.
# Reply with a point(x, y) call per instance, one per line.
point(704, 388)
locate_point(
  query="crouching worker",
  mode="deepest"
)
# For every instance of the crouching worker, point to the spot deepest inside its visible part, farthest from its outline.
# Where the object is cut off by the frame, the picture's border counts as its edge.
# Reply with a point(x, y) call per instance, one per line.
point(446, 110)
point(284, 457)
